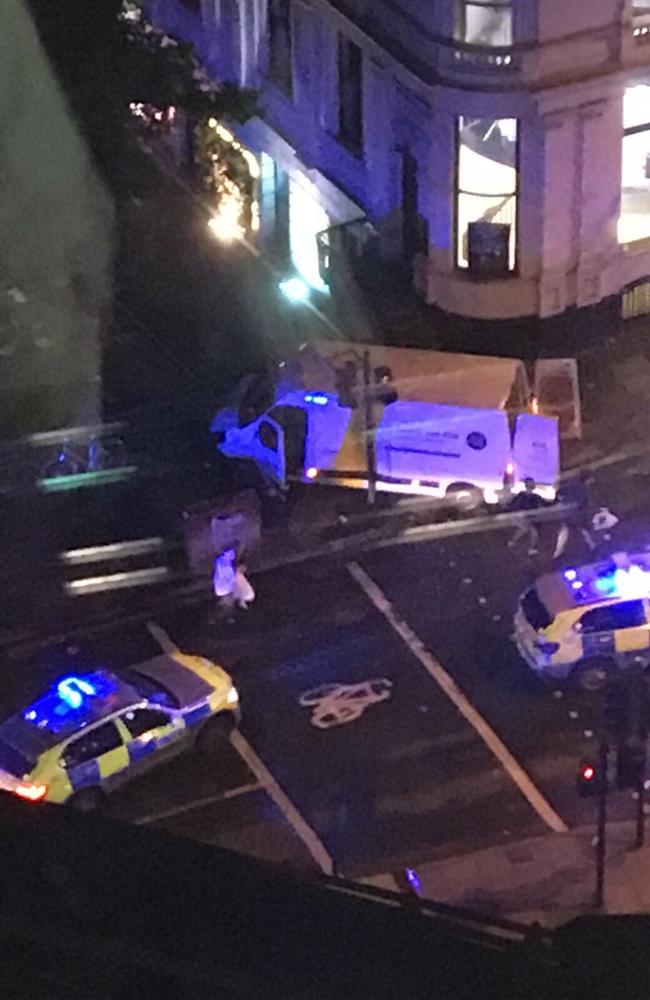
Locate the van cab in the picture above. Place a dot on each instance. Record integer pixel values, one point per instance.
(586, 622)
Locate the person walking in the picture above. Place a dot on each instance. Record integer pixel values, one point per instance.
(242, 592)
(526, 529)
(224, 580)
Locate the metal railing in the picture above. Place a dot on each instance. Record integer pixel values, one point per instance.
(348, 241)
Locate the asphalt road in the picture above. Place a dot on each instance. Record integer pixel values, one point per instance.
(405, 776)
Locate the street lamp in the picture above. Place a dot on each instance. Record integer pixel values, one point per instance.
(294, 289)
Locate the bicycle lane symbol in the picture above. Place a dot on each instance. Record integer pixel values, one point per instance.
(337, 704)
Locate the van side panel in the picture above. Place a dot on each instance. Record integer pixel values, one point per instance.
(443, 444)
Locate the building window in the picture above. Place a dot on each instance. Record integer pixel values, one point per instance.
(484, 22)
(635, 300)
(487, 184)
(307, 218)
(350, 73)
(280, 44)
(634, 220)
(640, 7)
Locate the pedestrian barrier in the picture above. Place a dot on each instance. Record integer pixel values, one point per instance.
(143, 555)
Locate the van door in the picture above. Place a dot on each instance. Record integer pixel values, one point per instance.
(261, 442)
(269, 450)
(536, 449)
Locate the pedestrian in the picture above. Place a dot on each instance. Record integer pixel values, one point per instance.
(574, 492)
(526, 501)
(243, 592)
(224, 579)
(603, 520)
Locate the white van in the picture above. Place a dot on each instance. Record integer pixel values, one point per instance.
(420, 448)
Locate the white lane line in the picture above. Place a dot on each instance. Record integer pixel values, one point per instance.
(230, 793)
(166, 644)
(493, 742)
(308, 836)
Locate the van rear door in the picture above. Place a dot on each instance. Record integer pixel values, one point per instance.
(536, 449)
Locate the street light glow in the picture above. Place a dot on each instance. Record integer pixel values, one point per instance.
(226, 225)
(294, 289)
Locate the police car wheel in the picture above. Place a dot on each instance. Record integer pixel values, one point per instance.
(214, 733)
(87, 800)
(593, 674)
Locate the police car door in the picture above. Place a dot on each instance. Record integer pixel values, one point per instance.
(153, 734)
(611, 629)
(96, 757)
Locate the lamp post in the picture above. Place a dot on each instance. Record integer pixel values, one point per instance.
(369, 429)
(601, 834)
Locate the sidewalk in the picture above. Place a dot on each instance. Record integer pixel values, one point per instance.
(549, 879)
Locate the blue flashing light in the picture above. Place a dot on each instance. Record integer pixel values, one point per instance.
(316, 398)
(577, 584)
(72, 700)
(629, 583)
(570, 574)
(413, 880)
(72, 690)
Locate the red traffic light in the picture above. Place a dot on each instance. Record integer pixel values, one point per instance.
(590, 778)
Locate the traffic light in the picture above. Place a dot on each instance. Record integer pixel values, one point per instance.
(630, 763)
(590, 779)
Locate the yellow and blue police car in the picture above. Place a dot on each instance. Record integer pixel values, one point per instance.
(89, 733)
(587, 622)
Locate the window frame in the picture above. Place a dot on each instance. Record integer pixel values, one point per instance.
(353, 143)
(150, 710)
(279, 33)
(627, 132)
(611, 609)
(87, 734)
(513, 271)
(460, 21)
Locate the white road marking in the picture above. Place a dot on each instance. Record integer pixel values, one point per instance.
(166, 644)
(336, 704)
(308, 836)
(230, 793)
(444, 680)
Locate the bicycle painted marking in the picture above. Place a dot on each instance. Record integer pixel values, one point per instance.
(338, 704)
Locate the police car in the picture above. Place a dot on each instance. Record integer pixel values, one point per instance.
(91, 732)
(587, 622)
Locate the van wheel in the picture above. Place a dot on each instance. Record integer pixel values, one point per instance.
(214, 733)
(87, 800)
(464, 495)
(593, 674)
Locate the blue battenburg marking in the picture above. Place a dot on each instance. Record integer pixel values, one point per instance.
(85, 775)
(197, 714)
(138, 749)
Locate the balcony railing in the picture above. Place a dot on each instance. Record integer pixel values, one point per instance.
(346, 244)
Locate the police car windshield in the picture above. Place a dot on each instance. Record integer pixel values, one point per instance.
(151, 690)
(535, 611)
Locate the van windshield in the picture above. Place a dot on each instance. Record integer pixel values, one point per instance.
(536, 613)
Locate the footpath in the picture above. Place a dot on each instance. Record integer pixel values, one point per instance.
(549, 879)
